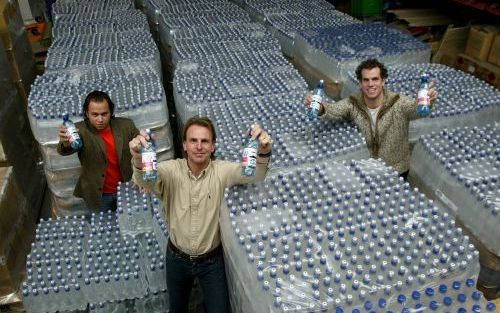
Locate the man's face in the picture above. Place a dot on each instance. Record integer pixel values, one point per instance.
(198, 145)
(99, 114)
(372, 84)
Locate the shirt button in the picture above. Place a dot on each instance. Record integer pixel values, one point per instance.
(102, 175)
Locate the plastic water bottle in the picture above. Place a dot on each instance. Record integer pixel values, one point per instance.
(74, 137)
(249, 156)
(149, 163)
(423, 99)
(317, 98)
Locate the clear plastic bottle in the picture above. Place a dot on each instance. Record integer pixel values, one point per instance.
(423, 99)
(317, 98)
(249, 156)
(149, 163)
(74, 137)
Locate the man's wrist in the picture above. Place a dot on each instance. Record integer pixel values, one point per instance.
(265, 155)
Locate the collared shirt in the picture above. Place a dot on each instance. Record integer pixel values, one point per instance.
(192, 204)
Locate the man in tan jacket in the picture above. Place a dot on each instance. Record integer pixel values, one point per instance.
(382, 116)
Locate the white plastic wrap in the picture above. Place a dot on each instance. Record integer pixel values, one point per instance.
(329, 236)
(460, 168)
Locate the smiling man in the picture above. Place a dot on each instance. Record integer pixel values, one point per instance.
(191, 190)
(382, 116)
(105, 156)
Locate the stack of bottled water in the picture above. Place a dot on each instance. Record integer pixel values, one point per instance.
(131, 37)
(463, 100)
(336, 51)
(73, 263)
(461, 167)
(55, 266)
(86, 23)
(133, 210)
(228, 85)
(223, 32)
(201, 48)
(172, 22)
(286, 18)
(63, 7)
(153, 262)
(331, 237)
(113, 268)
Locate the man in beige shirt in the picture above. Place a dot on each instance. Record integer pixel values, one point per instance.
(192, 189)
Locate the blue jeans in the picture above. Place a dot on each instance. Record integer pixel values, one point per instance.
(212, 277)
(108, 202)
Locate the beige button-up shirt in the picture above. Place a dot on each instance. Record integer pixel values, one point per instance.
(192, 204)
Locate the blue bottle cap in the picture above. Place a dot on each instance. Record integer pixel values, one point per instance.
(447, 301)
(382, 303)
(433, 305)
(429, 292)
(491, 307)
(401, 299)
(470, 282)
(443, 288)
(415, 295)
(456, 285)
(476, 308)
(461, 298)
(476, 295)
(461, 310)
(339, 310)
(356, 311)
(368, 305)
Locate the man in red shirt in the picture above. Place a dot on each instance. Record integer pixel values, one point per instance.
(105, 156)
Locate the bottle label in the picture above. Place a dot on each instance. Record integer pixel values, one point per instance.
(249, 158)
(316, 102)
(149, 163)
(73, 133)
(423, 97)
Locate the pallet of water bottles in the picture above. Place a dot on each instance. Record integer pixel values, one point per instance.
(117, 256)
(65, 7)
(461, 168)
(463, 100)
(345, 237)
(335, 51)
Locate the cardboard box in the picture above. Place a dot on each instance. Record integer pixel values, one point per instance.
(479, 41)
(494, 57)
(481, 69)
(451, 44)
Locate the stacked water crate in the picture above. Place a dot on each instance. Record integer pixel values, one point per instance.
(287, 18)
(97, 46)
(335, 237)
(74, 265)
(335, 51)
(463, 100)
(461, 167)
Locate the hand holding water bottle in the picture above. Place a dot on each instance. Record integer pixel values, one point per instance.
(257, 144)
(69, 134)
(426, 96)
(314, 101)
(141, 143)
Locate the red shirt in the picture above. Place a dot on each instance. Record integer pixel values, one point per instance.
(112, 175)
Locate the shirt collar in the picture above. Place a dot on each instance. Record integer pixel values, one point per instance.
(202, 173)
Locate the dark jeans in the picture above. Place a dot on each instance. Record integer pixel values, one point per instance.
(108, 202)
(212, 277)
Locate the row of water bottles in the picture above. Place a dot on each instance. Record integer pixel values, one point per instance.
(64, 7)
(330, 240)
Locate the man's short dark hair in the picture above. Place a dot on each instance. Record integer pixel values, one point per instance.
(98, 96)
(202, 121)
(370, 64)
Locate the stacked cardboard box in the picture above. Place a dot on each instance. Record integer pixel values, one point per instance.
(20, 57)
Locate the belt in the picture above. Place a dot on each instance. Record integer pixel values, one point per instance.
(195, 258)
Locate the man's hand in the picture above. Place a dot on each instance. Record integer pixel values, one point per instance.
(265, 141)
(308, 102)
(136, 145)
(64, 136)
(432, 93)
